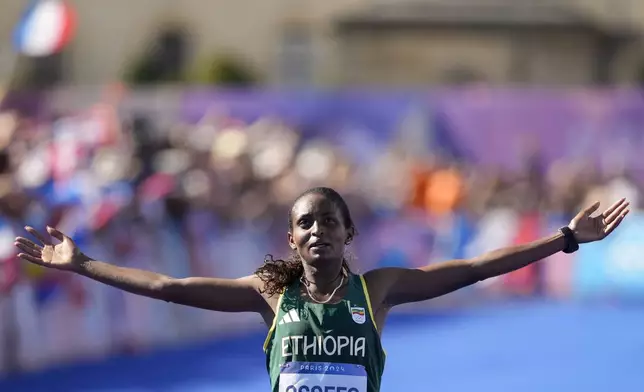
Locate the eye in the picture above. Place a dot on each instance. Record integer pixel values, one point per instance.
(304, 223)
(330, 220)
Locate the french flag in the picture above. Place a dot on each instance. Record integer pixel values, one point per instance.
(45, 29)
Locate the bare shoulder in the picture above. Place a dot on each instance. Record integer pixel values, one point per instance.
(260, 287)
(379, 282)
(271, 300)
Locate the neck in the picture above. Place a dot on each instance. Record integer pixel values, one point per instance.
(323, 280)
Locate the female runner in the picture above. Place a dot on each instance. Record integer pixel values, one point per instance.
(325, 321)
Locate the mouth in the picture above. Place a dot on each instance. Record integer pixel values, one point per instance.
(319, 245)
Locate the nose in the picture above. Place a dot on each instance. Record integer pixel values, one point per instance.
(317, 229)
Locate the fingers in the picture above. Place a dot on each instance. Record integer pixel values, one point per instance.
(589, 211)
(26, 242)
(613, 225)
(31, 259)
(33, 251)
(38, 236)
(55, 233)
(29, 250)
(617, 211)
(614, 207)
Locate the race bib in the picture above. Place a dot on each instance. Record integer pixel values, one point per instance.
(322, 377)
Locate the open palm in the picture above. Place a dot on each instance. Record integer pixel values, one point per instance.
(588, 229)
(61, 256)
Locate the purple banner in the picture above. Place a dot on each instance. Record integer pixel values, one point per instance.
(502, 128)
(499, 128)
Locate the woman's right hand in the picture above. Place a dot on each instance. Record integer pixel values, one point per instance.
(63, 256)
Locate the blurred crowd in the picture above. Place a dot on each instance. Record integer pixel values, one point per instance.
(105, 179)
(212, 197)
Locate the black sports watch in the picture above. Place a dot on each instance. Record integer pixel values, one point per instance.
(571, 242)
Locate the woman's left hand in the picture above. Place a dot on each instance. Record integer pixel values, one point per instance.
(590, 229)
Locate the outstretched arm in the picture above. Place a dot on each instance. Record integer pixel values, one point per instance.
(225, 295)
(394, 286)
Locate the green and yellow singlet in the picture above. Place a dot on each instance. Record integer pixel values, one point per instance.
(314, 347)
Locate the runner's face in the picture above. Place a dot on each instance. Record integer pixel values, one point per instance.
(317, 233)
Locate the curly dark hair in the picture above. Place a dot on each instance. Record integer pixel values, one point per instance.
(277, 274)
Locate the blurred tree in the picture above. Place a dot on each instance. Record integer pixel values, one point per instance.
(33, 73)
(640, 74)
(163, 61)
(224, 70)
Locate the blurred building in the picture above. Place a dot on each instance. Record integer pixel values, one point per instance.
(407, 42)
(495, 41)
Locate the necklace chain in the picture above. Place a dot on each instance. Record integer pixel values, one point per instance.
(330, 296)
